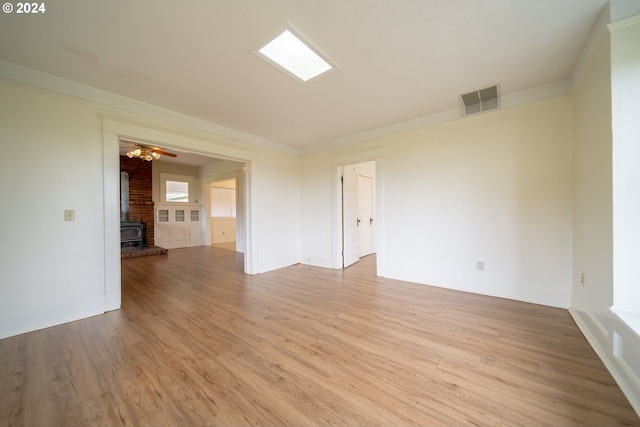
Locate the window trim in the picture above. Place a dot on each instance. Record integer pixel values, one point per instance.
(164, 177)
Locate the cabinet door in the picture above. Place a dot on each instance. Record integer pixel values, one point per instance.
(163, 215)
(195, 233)
(179, 234)
(179, 215)
(162, 235)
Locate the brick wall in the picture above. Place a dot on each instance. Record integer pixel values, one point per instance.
(140, 193)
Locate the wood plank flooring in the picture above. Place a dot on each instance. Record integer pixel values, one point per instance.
(199, 343)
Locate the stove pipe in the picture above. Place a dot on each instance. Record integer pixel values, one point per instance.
(124, 196)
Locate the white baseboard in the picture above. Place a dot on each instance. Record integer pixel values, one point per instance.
(624, 372)
(51, 316)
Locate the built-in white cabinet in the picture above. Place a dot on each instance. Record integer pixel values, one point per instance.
(178, 225)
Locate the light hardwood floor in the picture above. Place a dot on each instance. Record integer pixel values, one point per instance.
(231, 246)
(198, 343)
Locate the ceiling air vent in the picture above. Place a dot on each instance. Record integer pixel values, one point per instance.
(481, 100)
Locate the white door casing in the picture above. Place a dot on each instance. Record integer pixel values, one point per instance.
(375, 155)
(112, 131)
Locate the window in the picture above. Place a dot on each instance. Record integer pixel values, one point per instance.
(174, 188)
(223, 202)
(177, 191)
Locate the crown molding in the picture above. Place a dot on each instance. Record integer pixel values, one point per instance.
(57, 84)
(509, 100)
(536, 94)
(626, 22)
(383, 131)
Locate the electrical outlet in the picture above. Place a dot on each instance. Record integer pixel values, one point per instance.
(69, 215)
(582, 279)
(480, 265)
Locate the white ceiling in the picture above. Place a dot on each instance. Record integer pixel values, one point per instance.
(398, 60)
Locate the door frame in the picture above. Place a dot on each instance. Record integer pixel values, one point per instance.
(208, 183)
(338, 162)
(113, 130)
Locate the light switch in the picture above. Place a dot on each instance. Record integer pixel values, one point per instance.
(69, 215)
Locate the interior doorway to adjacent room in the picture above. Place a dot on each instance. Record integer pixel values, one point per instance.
(223, 212)
(358, 211)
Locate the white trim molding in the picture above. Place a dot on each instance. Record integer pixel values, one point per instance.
(98, 96)
(631, 318)
(616, 351)
(45, 317)
(114, 129)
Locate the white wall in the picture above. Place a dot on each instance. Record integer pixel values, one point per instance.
(223, 230)
(596, 247)
(592, 187)
(279, 210)
(52, 271)
(625, 110)
(316, 224)
(493, 187)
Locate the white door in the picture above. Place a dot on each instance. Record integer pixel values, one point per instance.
(365, 214)
(349, 216)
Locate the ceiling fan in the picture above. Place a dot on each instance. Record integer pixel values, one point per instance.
(148, 152)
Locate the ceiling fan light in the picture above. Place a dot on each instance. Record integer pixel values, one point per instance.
(147, 153)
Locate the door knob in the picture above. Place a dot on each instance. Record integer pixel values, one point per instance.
(358, 222)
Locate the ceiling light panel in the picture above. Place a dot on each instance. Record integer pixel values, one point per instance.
(291, 54)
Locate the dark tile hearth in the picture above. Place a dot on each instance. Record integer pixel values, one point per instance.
(135, 252)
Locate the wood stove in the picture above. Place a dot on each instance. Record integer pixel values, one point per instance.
(132, 232)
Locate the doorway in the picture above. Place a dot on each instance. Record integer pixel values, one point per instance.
(222, 208)
(358, 211)
(112, 132)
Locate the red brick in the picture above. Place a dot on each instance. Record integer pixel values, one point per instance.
(141, 206)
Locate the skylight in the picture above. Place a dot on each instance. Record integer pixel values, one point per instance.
(295, 56)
